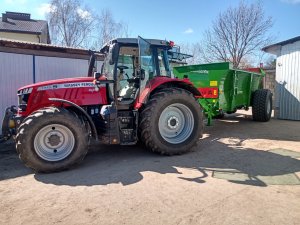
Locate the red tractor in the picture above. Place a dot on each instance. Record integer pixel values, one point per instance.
(133, 98)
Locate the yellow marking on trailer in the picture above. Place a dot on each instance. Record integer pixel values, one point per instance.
(213, 83)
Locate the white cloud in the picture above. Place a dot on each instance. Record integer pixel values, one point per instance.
(44, 8)
(188, 31)
(291, 1)
(84, 14)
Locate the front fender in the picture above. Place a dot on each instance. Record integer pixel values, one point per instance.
(90, 121)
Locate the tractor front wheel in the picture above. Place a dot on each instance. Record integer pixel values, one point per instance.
(171, 122)
(51, 139)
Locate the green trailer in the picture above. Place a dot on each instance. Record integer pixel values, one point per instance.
(224, 89)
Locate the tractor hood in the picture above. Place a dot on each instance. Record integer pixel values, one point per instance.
(80, 90)
(67, 82)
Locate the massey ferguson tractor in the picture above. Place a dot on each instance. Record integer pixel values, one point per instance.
(133, 98)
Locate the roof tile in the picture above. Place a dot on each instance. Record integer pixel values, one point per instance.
(27, 26)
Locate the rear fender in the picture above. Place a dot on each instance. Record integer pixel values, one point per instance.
(159, 83)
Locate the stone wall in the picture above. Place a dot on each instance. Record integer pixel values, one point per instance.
(269, 81)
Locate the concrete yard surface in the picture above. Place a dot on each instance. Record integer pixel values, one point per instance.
(241, 172)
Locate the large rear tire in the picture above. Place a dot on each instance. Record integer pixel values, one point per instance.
(52, 139)
(262, 105)
(171, 122)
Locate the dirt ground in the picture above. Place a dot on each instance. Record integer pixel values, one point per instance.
(241, 172)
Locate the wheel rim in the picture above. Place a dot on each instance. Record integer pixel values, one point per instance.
(176, 123)
(54, 142)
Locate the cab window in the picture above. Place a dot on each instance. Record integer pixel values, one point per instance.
(163, 63)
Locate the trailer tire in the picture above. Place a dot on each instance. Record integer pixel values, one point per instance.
(51, 139)
(262, 105)
(171, 122)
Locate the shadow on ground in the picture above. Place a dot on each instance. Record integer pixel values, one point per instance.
(114, 164)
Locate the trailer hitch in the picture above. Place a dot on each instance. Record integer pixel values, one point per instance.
(8, 123)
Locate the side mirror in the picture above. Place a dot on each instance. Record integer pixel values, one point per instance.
(100, 78)
(142, 75)
(97, 75)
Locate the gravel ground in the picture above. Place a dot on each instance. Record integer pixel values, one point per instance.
(241, 172)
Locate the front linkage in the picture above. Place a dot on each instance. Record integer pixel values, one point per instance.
(8, 123)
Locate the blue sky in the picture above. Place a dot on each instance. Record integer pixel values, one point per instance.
(178, 20)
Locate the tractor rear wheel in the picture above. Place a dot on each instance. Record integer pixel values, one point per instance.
(51, 139)
(262, 105)
(171, 122)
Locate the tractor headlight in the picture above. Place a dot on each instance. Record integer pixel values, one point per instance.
(23, 96)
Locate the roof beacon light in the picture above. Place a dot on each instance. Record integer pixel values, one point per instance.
(171, 43)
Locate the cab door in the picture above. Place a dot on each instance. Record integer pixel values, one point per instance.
(146, 66)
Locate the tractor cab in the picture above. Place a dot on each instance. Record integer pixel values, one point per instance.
(129, 66)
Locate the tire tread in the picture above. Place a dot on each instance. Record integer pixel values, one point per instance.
(148, 114)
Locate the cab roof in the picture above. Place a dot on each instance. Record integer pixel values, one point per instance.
(134, 41)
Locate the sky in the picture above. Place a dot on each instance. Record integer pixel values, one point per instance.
(182, 21)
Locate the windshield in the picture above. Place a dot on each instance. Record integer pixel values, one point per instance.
(127, 61)
(108, 69)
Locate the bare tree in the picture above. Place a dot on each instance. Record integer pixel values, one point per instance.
(70, 23)
(193, 49)
(237, 33)
(108, 28)
(270, 62)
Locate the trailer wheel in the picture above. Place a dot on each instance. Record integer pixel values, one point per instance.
(171, 122)
(51, 139)
(262, 105)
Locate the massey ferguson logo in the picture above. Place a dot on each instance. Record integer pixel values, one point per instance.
(66, 85)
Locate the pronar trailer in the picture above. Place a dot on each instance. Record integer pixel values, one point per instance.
(224, 89)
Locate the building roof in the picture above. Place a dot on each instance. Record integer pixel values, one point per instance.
(25, 47)
(21, 22)
(273, 49)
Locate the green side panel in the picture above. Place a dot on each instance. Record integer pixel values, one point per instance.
(235, 86)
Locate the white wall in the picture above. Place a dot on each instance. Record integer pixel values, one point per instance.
(15, 71)
(287, 102)
(50, 68)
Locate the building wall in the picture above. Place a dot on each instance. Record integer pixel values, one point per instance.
(269, 81)
(20, 36)
(50, 68)
(17, 70)
(44, 37)
(287, 104)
